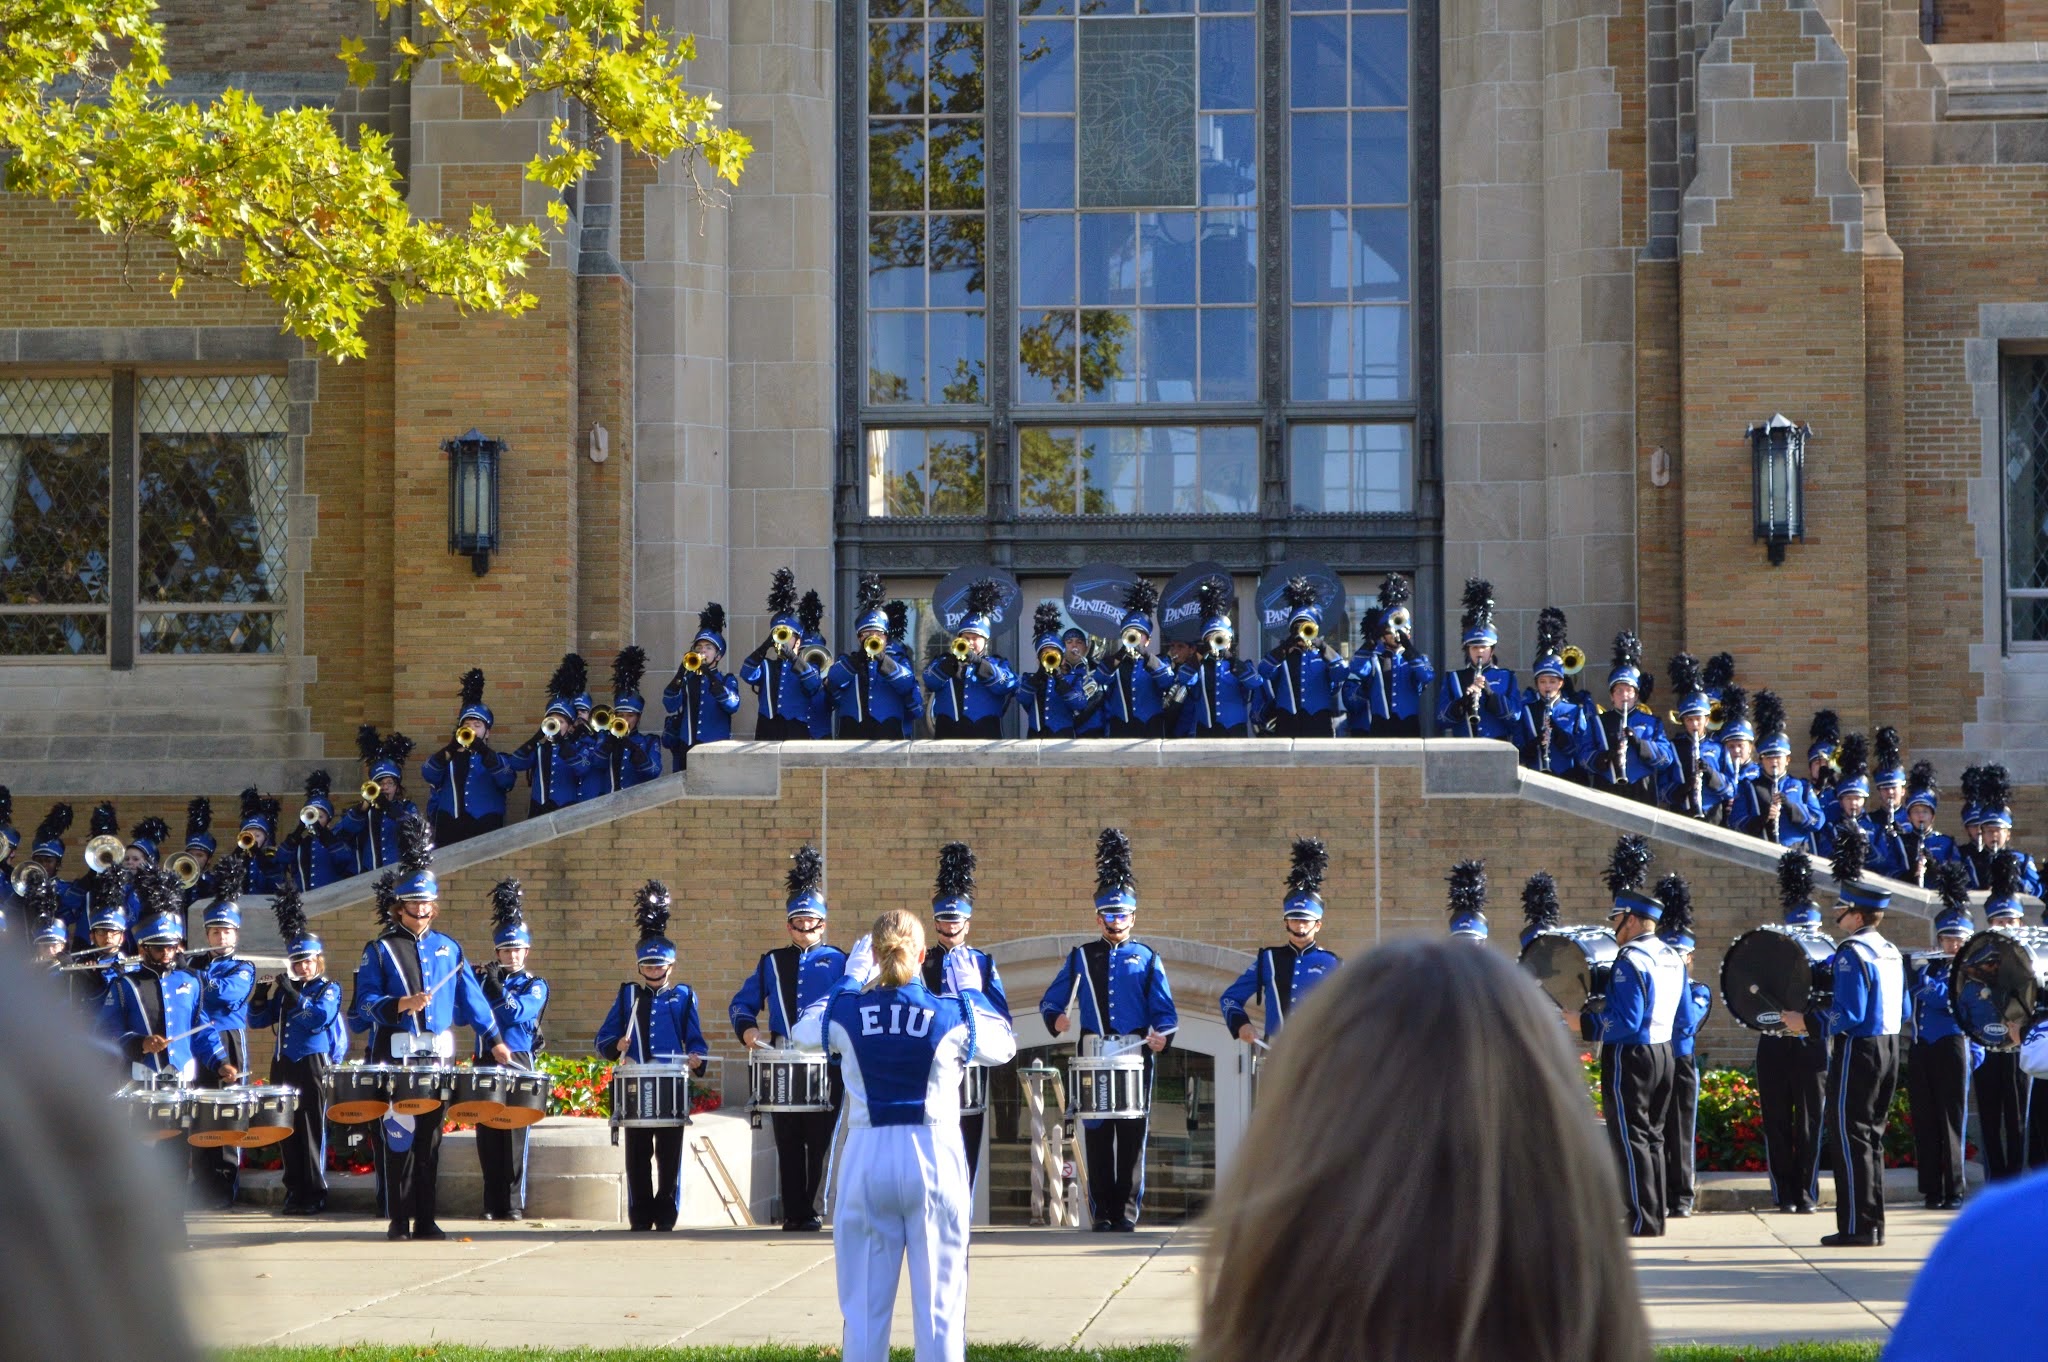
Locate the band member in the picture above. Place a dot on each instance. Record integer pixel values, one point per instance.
(371, 827)
(466, 779)
(701, 699)
(1696, 783)
(1552, 726)
(1923, 848)
(1625, 750)
(785, 982)
(226, 983)
(948, 976)
(621, 756)
(1864, 1018)
(1282, 976)
(1304, 674)
(1939, 1063)
(875, 694)
(969, 685)
(145, 846)
(1849, 795)
(101, 884)
(1791, 1070)
(2002, 1089)
(303, 1006)
(95, 973)
(162, 1026)
(1479, 699)
(1634, 1027)
(653, 1021)
(557, 758)
(412, 988)
(311, 854)
(1823, 765)
(1467, 904)
(256, 840)
(1893, 849)
(200, 846)
(906, 1191)
(1541, 911)
(1223, 696)
(50, 938)
(1390, 676)
(1120, 988)
(1092, 719)
(785, 686)
(1737, 736)
(817, 651)
(1994, 829)
(517, 1000)
(1772, 805)
(1695, 1004)
(1052, 697)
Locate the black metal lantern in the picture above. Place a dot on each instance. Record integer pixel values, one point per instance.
(473, 497)
(1777, 453)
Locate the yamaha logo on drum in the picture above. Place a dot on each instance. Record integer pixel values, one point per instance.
(1769, 1018)
(1993, 1030)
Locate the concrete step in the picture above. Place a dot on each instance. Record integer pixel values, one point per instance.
(1752, 1191)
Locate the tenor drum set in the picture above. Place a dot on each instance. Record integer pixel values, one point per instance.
(489, 1095)
(244, 1117)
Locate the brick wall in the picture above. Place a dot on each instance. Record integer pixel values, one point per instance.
(259, 35)
(604, 395)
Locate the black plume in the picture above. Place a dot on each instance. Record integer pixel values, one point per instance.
(899, 620)
(6, 806)
(1311, 863)
(1478, 603)
(508, 905)
(1952, 883)
(1853, 757)
(1795, 880)
(387, 900)
(1396, 592)
(368, 740)
(1215, 597)
(1301, 591)
(1046, 619)
(627, 669)
(1734, 705)
(650, 909)
(1113, 862)
(1920, 780)
(1885, 749)
(1550, 631)
(1720, 670)
(1676, 896)
(806, 872)
(1628, 863)
(252, 802)
(956, 871)
(397, 747)
(711, 619)
(868, 595)
(270, 807)
(159, 893)
(290, 912)
(2005, 874)
(415, 844)
(782, 593)
(810, 612)
(1770, 714)
(1468, 887)
(1852, 852)
(105, 821)
(1141, 596)
(1972, 785)
(571, 678)
(198, 816)
(151, 830)
(1540, 909)
(1826, 727)
(472, 687)
(230, 876)
(318, 783)
(1994, 787)
(1685, 675)
(1628, 651)
(54, 822)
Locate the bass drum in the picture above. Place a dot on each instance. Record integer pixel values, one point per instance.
(1998, 982)
(1571, 963)
(1771, 971)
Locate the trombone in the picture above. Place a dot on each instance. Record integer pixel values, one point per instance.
(186, 867)
(103, 853)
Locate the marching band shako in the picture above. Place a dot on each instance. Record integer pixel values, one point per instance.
(789, 1080)
(1573, 964)
(1774, 970)
(1109, 1086)
(1998, 983)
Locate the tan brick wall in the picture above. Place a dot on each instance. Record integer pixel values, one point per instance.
(2026, 21)
(259, 35)
(1970, 21)
(636, 175)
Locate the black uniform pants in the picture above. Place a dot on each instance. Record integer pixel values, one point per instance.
(305, 1150)
(1393, 726)
(448, 829)
(654, 1176)
(1635, 1085)
(217, 1173)
(779, 729)
(411, 1175)
(1116, 1168)
(1287, 725)
(988, 726)
(2002, 1114)
(2037, 1124)
(803, 1140)
(1791, 1087)
(501, 1155)
(1937, 1077)
(970, 1135)
(1681, 1126)
(1863, 1072)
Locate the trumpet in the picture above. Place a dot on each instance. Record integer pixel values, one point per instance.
(782, 635)
(370, 790)
(1574, 659)
(1717, 714)
(816, 658)
(1217, 641)
(873, 644)
(1050, 659)
(29, 879)
(1133, 639)
(465, 737)
(103, 853)
(311, 818)
(962, 649)
(186, 867)
(601, 718)
(619, 728)
(693, 661)
(1307, 631)
(552, 727)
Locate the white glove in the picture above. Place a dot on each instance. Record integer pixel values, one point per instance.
(963, 972)
(861, 963)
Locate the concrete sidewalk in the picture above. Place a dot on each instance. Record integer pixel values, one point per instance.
(1736, 1278)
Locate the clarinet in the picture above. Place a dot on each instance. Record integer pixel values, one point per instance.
(1477, 675)
(1777, 800)
(1916, 855)
(1544, 764)
(1618, 756)
(1698, 776)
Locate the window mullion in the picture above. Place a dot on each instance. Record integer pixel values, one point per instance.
(122, 552)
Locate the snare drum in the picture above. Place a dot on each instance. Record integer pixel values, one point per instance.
(974, 1090)
(220, 1117)
(789, 1080)
(358, 1093)
(271, 1113)
(157, 1113)
(478, 1093)
(523, 1102)
(1109, 1087)
(417, 1089)
(653, 1094)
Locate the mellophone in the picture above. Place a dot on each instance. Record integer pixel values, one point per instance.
(489, 1095)
(246, 1117)
(1106, 1079)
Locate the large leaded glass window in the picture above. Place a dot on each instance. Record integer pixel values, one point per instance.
(56, 438)
(2024, 393)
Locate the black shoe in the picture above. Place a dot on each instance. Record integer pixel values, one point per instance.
(1126, 1227)
(810, 1225)
(399, 1230)
(300, 1208)
(1786, 1208)
(1933, 1203)
(1804, 1208)
(1954, 1203)
(428, 1230)
(515, 1214)
(1867, 1239)
(664, 1229)
(492, 1215)
(1103, 1227)
(1646, 1234)
(639, 1229)
(1682, 1211)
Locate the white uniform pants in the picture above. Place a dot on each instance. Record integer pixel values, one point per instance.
(903, 1190)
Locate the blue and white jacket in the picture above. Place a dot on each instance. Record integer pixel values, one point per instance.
(168, 1005)
(1223, 693)
(468, 784)
(516, 1006)
(1280, 978)
(1643, 995)
(903, 1050)
(1122, 990)
(959, 692)
(1870, 988)
(396, 965)
(662, 1026)
(784, 982)
(860, 690)
(308, 1020)
(700, 707)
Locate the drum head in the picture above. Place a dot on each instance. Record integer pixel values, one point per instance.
(1767, 974)
(260, 1137)
(1563, 964)
(358, 1112)
(416, 1106)
(513, 1118)
(475, 1111)
(1995, 985)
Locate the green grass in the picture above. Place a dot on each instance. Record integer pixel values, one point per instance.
(982, 1352)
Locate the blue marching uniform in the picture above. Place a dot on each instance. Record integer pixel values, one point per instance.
(310, 1040)
(555, 771)
(1938, 1068)
(986, 979)
(904, 1188)
(1307, 689)
(1393, 689)
(2029, 872)
(1224, 697)
(312, 859)
(1136, 687)
(1500, 708)
(871, 703)
(517, 1004)
(227, 983)
(372, 829)
(786, 690)
(1636, 1066)
(1280, 977)
(1677, 782)
(1052, 703)
(466, 791)
(646, 1026)
(621, 763)
(1824, 840)
(1567, 733)
(785, 982)
(700, 706)
(167, 1003)
(1681, 1128)
(1799, 813)
(1122, 992)
(964, 703)
(1865, 1018)
(1618, 763)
